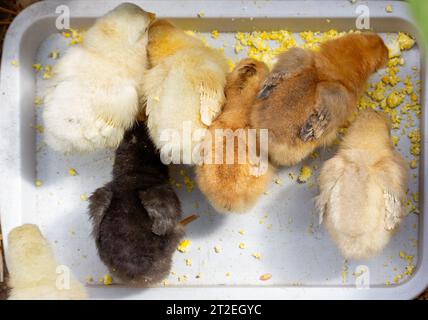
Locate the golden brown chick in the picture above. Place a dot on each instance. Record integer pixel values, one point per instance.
(363, 188)
(309, 94)
(235, 186)
(184, 88)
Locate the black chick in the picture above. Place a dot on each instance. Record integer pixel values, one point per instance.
(136, 216)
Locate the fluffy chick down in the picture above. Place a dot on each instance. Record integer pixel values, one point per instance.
(310, 94)
(136, 216)
(95, 92)
(185, 85)
(33, 269)
(235, 187)
(363, 188)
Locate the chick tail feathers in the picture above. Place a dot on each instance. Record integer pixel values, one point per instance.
(393, 210)
(212, 100)
(330, 112)
(393, 176)
(209, 81)
(69, 135)
(104, 134)
(331, 172)
(34, 272)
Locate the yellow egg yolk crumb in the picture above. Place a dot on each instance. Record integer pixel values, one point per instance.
(184, 245)
(305, 174)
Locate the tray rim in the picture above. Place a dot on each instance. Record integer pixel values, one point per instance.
(11, 162)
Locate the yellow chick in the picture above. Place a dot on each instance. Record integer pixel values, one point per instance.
(94, 92)
(33, 271)
(363, 188)
(185, 87)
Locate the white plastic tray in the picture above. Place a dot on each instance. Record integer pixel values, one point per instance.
(283, 226)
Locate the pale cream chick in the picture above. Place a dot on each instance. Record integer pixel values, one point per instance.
(96, 90)
(33, 269)
(363, 188)
(185, 86)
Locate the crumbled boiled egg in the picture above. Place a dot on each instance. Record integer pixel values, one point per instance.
(107, 280)
(305, 174)
(405, 42)
(231, 64)
(40, 129)
(38, 101)
(37, 67)
(415, 142)
(379, 93)
(165, 283)
(411, 208)
(265, 277)
(54, 54)
(74, 35)
(47, 74)
(413, 164)
(257, 255)
(394, 49)
(218, 249)
(278, 181)
(394, 99)
(215, 34)
(182, 278)
(395, 140)
(190, 185)
(409, 268)
(184, 245)
(264, 46)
